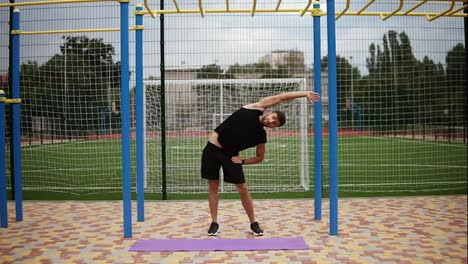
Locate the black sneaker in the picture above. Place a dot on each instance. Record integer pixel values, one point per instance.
(256, 230)
(213, 231)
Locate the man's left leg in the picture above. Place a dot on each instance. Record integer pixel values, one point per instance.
(246, 200)
(247, 203)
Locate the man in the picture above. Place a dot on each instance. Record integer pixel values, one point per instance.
(242, 130)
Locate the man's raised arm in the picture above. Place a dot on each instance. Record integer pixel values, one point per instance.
(273, 100)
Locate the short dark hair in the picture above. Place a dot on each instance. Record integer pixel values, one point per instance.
(281, 117)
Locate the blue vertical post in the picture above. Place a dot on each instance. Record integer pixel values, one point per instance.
(318, 118)
(162, 67)
(333, 120)
(3, 187)
(15, 109)
(125, 116)
(140, 143)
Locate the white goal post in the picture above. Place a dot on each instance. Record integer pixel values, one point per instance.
(195, 107)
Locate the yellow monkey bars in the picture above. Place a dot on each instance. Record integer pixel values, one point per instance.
(55, 2)
(451, 11)
(72, 31)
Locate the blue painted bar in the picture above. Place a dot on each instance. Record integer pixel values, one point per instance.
(318, 119)
(16, 123)
(333, 121)
(3, 181)
(140, 143)
(125, 116)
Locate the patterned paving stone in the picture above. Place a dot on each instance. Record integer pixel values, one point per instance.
(371, 230)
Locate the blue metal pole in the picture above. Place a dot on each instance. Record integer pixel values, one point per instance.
(162, 67)
(125, 116)
(3, 184)
(333, 120)
(318, 118)
(15, 109)
(140, 143)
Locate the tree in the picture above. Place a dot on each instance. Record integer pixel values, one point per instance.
(456, 94)
(398, 84)
(72, 87)
(213, 71)
(347, 78)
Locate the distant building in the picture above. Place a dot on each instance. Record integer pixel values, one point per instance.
(292, 58)
(182, 73)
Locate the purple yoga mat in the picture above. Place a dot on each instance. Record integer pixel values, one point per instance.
(219, 244)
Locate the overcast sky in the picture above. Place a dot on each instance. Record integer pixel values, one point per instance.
(225, 39)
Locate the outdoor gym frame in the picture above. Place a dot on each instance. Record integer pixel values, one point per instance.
(311, 7)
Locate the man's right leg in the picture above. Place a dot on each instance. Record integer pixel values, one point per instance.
(247, 203)
(210, 171)
(213, 200)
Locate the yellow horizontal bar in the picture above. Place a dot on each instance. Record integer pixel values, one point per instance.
(53, 2)
(72, 31)
(10, 101)
(403, 14)
(197, 11)
(448, 0)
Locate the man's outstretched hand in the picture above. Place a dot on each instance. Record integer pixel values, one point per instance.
(313, 97)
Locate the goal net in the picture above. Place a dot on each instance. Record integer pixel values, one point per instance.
(193, 108)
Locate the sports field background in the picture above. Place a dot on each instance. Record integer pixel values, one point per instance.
(401, 94)
(368, 166)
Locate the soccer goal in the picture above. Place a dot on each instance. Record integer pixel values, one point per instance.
(195, 107)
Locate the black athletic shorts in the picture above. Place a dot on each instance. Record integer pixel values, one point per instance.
(213, 159)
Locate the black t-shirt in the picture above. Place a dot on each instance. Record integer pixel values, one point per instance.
(241, 130)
